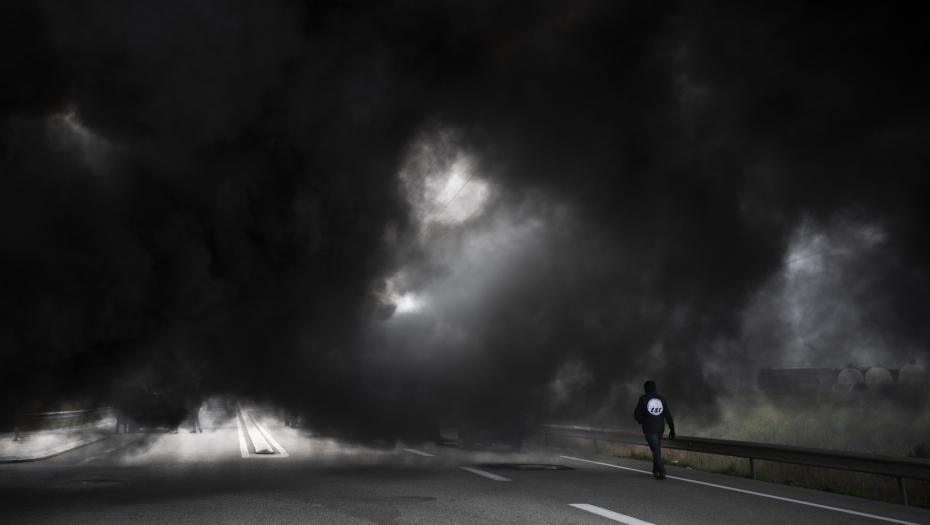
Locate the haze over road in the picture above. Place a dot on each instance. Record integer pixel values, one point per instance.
(180, 478)
(385, 216)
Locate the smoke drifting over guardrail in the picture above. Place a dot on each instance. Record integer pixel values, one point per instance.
(229, 197)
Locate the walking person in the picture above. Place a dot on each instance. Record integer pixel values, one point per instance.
(652, 412)
(121, 421)
(195, 418)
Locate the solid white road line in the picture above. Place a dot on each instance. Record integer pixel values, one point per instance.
(754, 493)
(495, 477)
(279, 448)
(243, 447)
(609, 514)
(261, 433)
(258, 440)
(418, 452)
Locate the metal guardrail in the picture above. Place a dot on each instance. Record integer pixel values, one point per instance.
(897, 467)
(61, 415)
(18, 418)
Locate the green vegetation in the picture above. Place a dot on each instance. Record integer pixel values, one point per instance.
(893, 425)
(636, 455)
(855, 422)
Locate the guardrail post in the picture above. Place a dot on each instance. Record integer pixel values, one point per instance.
(903, 491)
(15, 418)
(752, 467)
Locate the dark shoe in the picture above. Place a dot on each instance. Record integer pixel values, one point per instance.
(655, 475)
(201, 431)
(193, 431)
(661, 476)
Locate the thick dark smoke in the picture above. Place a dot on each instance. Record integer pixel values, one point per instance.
(252, 198)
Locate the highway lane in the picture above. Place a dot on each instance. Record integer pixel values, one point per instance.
(156, 478)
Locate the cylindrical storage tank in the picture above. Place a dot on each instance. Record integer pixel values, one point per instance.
(848, 379)
(913, 377)
(878, 378)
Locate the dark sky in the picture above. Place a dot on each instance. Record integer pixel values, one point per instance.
(360, 205)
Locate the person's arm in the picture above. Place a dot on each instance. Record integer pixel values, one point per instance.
(669, 420)
(638, 412)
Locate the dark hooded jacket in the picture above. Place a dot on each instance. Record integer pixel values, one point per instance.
(652, 411)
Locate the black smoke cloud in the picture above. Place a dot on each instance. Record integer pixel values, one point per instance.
(235, 234)
(207, 195)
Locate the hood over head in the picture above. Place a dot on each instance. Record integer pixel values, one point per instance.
(650, 386)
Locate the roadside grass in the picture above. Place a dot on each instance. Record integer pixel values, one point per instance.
(892, 425)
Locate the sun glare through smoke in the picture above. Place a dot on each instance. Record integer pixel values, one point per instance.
(444, 186)
(407, 303)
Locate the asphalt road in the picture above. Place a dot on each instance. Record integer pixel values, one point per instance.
(211, 477)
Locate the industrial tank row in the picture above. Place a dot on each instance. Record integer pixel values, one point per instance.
(911, 377)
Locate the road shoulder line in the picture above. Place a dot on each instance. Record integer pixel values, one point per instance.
(837, 509)
(243, 448)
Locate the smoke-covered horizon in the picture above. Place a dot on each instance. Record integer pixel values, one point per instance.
(361, 206)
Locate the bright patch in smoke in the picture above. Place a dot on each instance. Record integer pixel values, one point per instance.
(408, 303)
(451, 196)
(444, 185)
(67, 128)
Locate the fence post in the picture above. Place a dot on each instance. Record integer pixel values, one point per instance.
(903, 491)
(596, 451)
(15, 419)
(752, 467)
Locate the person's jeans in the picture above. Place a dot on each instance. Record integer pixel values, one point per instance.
(655, 444)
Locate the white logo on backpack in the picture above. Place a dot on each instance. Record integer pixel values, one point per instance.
(654, 407)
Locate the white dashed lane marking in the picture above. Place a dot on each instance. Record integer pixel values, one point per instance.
(754, 493)
(418, 452)
(88, 459)
(609, 514)
(495, 477)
